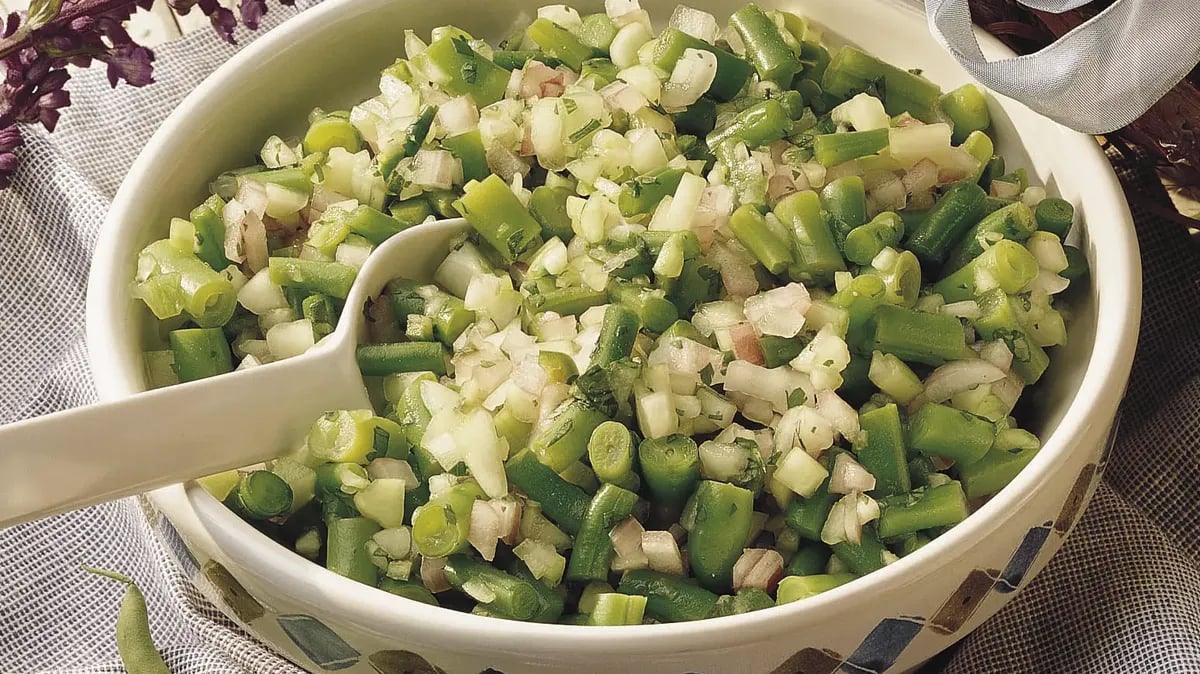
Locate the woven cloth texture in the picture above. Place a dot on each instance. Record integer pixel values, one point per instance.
(1122, 595)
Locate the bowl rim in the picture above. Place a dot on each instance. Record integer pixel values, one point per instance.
(1099, 392)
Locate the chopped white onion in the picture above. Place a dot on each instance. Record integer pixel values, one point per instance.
(694, 22)
(863, 112)
(259, 295)
(434, 169)
(290, 339)
(921, 177)
(626, 540)
(759, 568)
(779, 311)
(458, 115)
(683, 355)
(997, 353)
(841, 416)
(384, 467)
(661, 550)
(746, 347)
(433, 574)
(849, 476)
(690, 79)
(958, 376)
(484, 531)
(968, 309)
(562, 15)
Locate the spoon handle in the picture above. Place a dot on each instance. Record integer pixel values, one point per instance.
(102, 452)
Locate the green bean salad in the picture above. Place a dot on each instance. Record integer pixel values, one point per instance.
(740, 317)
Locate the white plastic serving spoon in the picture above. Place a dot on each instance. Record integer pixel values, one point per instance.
(106, 451)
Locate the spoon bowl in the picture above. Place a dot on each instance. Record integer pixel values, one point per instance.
(109, 450)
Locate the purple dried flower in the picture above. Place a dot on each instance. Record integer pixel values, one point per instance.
(252, 12)
(132, 63)
(36, 48)
(10, 140)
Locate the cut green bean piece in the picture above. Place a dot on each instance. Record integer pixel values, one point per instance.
(561, 501)
(933, 339)
(807, 515)
(864, 557)
(548, 206)
(410, 211)
(260, 495)
(495, 212)
(596, 31)
(180, 281)
(846, 201)
(440, 527)
(765, 47)
(883, 453)
(330, 278)
(810, 560)
(200, 353)
(862, 298)
(1077, 264)
(564, 438)
(1006, 264)
(669, 598)
(319, 310)
(967, 107)
(779, 351)
(614, 608)
(1001, 320)
(600, 70)
(941, 506)
(570, 301)
(866, 241)
(670, 466)
(835, 148)
(852, 70)
(732, 72)
(698, 119)
(1013, 221)
(332, 131)
(994, 471)
(611, 452)
(817, 257)
(651, 307)
(1055, 215)
(746, 600)
(941, 430)
(377, 360)
(593, 550)
(560, 43)
(949, 219)
(346, 548)
(642, 194)
(467, 147)
(210, 232)
(617, 334)
(795, 588)
(516, 59)
(409, 590)
(760, 125)
(462, 71)
(501, 593)
(723, 519)
(750, 227)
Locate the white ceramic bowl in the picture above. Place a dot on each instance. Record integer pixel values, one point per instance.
(893, 619)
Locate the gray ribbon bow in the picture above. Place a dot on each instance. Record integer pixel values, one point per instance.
(1097, 78)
